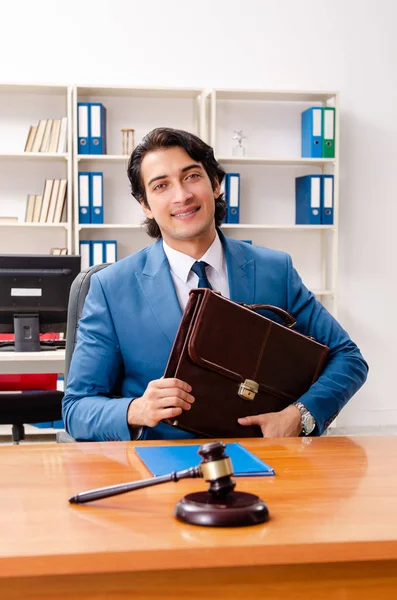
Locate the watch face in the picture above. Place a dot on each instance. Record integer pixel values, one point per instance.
(308, 423)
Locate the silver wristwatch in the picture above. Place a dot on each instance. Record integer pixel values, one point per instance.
(307, 420)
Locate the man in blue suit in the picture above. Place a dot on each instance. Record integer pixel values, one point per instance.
(134, 307)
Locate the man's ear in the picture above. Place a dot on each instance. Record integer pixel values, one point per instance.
(146, 210)
(217, 189)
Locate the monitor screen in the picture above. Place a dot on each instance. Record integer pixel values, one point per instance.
(36, 286)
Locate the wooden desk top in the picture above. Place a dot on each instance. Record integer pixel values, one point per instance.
(332, 499)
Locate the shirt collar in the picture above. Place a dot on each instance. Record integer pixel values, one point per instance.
(180, 264)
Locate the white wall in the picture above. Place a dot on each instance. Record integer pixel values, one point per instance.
(344, 45)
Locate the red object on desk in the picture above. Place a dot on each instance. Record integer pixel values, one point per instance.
(23, 382)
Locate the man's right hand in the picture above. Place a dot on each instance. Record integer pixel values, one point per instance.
(163, 399)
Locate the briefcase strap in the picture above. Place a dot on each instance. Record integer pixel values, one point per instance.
(288, 319)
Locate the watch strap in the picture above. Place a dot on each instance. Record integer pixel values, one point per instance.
(305, 413)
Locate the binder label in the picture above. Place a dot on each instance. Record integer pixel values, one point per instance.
(97, 190)
(84, 198)
(83, 121)
(95, 121)
(328, 124)
(233, 189)
(110, 252)
(317, 113)
(328, 192)
(315, 196)
(85, 254)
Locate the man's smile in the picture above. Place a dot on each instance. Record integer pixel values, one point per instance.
(186, 214)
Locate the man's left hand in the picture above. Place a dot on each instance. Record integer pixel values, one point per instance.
(286, 423)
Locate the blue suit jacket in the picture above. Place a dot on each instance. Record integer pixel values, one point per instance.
(130, 319)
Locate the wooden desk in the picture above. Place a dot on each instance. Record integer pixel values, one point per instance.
(333, 532)
(52, 361)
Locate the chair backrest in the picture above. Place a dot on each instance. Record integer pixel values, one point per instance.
(78, 292)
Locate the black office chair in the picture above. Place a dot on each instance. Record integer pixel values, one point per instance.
(78, 293)
(30, 407)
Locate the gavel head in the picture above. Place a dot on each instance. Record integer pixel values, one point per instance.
(216, 467)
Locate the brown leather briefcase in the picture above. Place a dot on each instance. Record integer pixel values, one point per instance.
(238, 363)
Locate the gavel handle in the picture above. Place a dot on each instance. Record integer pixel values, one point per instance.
(122, 488)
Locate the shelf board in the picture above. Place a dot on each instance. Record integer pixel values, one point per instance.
(111, 226)
(44, 89)
(224, 226)
(34, 155)
(278, 227)
(139, 92)
(275, 96)
(45, 225)
(104, 157)
(258, 160)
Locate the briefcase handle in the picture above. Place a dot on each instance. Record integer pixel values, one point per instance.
(288, 319)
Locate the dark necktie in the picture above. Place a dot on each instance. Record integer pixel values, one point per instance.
(199, 269)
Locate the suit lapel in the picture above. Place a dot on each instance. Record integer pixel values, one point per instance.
(241, 271)
(159, 290)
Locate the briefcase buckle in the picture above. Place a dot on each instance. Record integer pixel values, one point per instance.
(248, 389)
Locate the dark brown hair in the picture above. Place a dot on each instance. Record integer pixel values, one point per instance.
(199, 151)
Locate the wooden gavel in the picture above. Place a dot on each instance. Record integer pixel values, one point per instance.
(220, 506)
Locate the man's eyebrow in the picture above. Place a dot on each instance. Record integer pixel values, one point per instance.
(156, 178)
(192, 166)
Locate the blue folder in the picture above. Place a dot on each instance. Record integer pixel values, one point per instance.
(83, 127)
(161, 460)
(97, 128)
(327, 200)
(84, 186)
(232, 193)
(308, 200)
(96, 198)
(312, 132)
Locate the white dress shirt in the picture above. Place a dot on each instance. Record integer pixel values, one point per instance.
(184, 279)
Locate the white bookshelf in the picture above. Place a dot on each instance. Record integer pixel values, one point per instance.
(23, 173)
(142, 109)
(271, 120)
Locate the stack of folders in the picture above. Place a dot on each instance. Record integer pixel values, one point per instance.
(318, 132)
(314, 200)
(231, 190)
(90, 198)
(50, 207)
(91, 128)
(49, 135)
(97, 252)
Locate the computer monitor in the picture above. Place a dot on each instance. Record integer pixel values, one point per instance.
(34, 296)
